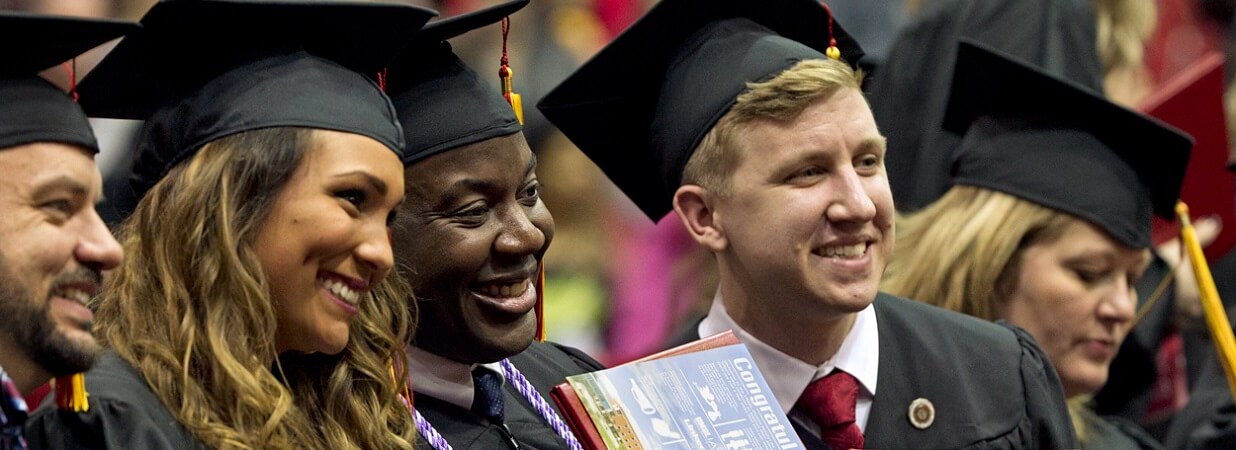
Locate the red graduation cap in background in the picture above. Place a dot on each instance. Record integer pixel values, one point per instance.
(1193, 102)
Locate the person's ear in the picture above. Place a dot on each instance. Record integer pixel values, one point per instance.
(697, 208)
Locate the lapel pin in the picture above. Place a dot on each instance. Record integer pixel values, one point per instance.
(922, 413)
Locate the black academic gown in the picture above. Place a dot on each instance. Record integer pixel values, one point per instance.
(990, 385)
(1209, 420)
(124, 414)
(1115, 433)
(910, 91)
(544, 365)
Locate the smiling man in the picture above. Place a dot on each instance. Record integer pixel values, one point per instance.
(729, 113)
(470, 238)
(53, 245)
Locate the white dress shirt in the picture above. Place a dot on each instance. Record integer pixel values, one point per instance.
(444, 379)
(788, 377)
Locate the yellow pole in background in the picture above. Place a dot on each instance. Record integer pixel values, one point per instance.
(1216, 316)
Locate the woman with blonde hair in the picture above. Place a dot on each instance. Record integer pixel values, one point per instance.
(255, 311)
(1047, 225)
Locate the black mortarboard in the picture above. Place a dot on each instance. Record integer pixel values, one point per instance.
(442, 103)
(204, 69)
(641, 106)
(31, 109)
(1060, 145)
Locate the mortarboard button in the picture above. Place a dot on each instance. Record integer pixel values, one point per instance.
(922, 413)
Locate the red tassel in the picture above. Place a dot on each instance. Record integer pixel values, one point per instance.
(71, 68)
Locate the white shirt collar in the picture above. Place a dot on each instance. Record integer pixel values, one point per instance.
(787, 376)
(443, 378)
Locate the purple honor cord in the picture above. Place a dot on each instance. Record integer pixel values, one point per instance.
(525, 389)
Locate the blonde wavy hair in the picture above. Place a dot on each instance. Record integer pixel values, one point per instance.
(961, 252)
(781, 98)
(190, 309)
(1123, 27)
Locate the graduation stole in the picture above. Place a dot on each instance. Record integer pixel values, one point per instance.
(528, 392)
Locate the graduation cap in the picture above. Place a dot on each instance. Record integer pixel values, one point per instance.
(204, 69)
(442, 103)
(640, 107)
(31, 109)
(1063, 146)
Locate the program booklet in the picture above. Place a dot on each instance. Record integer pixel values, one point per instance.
(708, 399)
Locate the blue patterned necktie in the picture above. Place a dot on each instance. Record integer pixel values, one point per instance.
(12, 414)
(488, 398)
(487, 401)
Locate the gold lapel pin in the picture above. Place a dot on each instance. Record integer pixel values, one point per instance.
(922, 413)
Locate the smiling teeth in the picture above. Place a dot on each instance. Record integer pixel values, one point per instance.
(76, 295)
(504, 290)
(340, 290)
(846, 251)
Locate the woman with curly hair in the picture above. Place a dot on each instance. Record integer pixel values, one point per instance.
(255, 311)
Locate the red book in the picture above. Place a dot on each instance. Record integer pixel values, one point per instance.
(1193, 102)
(577, 417)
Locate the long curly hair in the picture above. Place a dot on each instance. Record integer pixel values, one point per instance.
(190, 308)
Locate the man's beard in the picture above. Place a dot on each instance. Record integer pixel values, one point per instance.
(30, 324)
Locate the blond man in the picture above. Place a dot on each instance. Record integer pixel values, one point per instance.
(767, 152)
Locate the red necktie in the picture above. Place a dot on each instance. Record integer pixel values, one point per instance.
(830, 401)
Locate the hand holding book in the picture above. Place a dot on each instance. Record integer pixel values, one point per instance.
(707, 394)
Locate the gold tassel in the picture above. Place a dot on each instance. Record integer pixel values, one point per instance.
(406, 392)
(517, 103)
(1216, 317)
(71, 393)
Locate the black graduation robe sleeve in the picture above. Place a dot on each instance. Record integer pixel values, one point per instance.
(1115, 433)
(1046, 409)
(124, 414)
(1209, 420)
